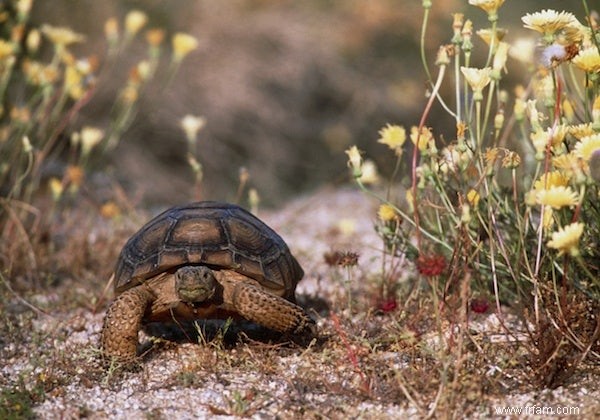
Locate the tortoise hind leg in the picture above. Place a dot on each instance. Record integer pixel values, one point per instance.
(122, 323)
(271, 311)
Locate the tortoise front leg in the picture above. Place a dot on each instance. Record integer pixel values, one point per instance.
(271, 311)
(122, 323)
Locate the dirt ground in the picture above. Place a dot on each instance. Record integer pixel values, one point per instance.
(368, 362)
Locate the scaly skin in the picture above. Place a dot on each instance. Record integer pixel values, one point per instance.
(122, 323)
(274, 312)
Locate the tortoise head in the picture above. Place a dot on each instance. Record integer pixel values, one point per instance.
(195, 284)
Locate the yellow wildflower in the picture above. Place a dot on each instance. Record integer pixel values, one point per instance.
(557, 197)
(551, 179)
(523, 50)
(355, 161)
(540, 139)
(489, 6)
(549, 22)
(183, 44)
(56, 188)
(369, 173)
(392, 136)
(386, 213)
(73, 79)
(191, 125)
(24, 7)
(581, 130)
(473, 197)
(486, 35)
(586, 146)
(588, 60)
(134, 21)
(566, 240)
(424, 138)
(33, 40)
(511, 160)
(90, 137)
(449, 159)
(491, 155)
(61, 36)
(477, 79)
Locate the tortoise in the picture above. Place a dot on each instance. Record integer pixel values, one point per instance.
(203, 260)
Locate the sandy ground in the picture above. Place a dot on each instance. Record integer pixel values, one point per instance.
(59, 357)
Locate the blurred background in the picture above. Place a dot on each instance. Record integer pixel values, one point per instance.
(285, 87)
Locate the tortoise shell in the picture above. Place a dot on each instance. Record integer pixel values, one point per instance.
(209, 233)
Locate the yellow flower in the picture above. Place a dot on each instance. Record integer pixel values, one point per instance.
(33, 40)
(24, 7)
(586, 146)
(191, 125)
(477, 79)
(355, 161)
(511, 160)
(369, 173)
(557, 197)
(491, 155)
(540, 139)
(183, 44)
(549, 21)
(392, 136)
(386, 213)
(73, 79)
(56, 188)
(581, 130)
(551, 179)
(134, 21)
(90, 137)
(566, 240)
(473, 197)
(588, 60)
(424, 138)
(571, 165)
(61, 36)
(486, 35)
(450, 157)
(523, 50)
(489, 6)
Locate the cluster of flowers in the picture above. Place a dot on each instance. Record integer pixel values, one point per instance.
(56, 89)
(552, 140)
